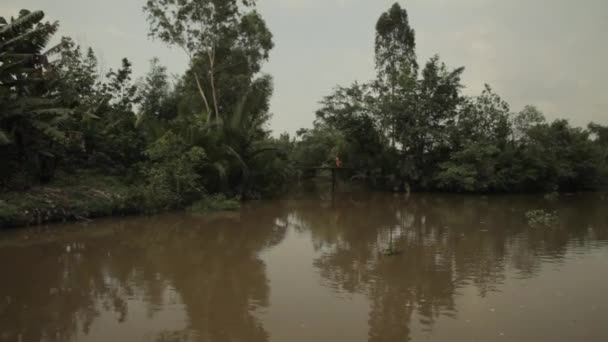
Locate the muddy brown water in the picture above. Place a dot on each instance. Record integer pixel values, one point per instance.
(463, 268)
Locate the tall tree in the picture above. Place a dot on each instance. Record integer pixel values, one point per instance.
(78, 74)
(226, 41)
(219, 37)
(397, 67)
(425, 135)
(525, 120)
(155, 91)
(349, 110)
(395, 45)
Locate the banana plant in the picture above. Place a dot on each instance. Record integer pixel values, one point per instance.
(30, 114)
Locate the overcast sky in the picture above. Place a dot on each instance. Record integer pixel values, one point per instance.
(549, 53)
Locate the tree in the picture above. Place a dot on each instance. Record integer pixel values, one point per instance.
(156, 94)
(484, 118)
(395, 45)
(397, 68)
(478, 146)
(318, 146)
(348, 110)
(172, 175)
(30, 113)
(209, 31)
(600, 135)
(77, 74)
(561, 157)
(424, 136)
(525, 120)
(115, 143)
(226, 42)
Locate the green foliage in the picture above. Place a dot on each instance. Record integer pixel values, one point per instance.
(415, 127)
(31, 117)
(158, 102)
(472, 169)
(223, 100)
(205, 134)
(69, 197)
(395, 44)
(172, 177)
(77, 74)
(318, 146)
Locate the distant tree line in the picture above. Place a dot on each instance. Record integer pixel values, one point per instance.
(205, 132)
(412, 125)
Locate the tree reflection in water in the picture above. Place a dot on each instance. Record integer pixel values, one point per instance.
(77, 277)
(445, 243)
(186, 278)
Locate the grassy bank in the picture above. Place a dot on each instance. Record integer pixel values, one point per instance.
(83, 197)
(72, 198)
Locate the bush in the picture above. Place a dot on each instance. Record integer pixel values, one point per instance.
(172, 178)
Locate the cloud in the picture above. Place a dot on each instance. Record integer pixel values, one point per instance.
(550, 53)
(118, 33)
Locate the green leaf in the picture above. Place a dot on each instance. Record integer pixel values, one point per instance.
(23, 22)
(39, 36)
(4, 138)
(239, 159)
(221, 171)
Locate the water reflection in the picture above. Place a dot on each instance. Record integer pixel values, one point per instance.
(188, 278)
(81, 276)
(443, 243)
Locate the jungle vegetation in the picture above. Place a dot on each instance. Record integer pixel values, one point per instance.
(173, 142)
(412, 126)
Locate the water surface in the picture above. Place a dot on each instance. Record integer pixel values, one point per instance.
(463, 268)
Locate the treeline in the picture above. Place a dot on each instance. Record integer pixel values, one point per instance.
(171, 141)
(175, 141)
(412, 125)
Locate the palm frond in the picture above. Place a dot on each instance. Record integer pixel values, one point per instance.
(222, 173)
(23, 22)
(50, 132)
(55, 49)
(4, 138)
(16, 55)
(239, 159)
(6, 68)
(44, 112)
(28, 103)
(52, 111)
(261, 151)
(38, 37)
(88, 115)
(237, 116)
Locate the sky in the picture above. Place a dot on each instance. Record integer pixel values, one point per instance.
(547, 53)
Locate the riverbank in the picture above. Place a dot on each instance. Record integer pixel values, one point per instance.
(84, 197)
(79, 198)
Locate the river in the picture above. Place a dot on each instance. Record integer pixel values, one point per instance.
(355, 267)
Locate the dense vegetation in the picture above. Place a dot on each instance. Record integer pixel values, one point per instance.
(413, 126)
(173, 143)
(170, 143)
